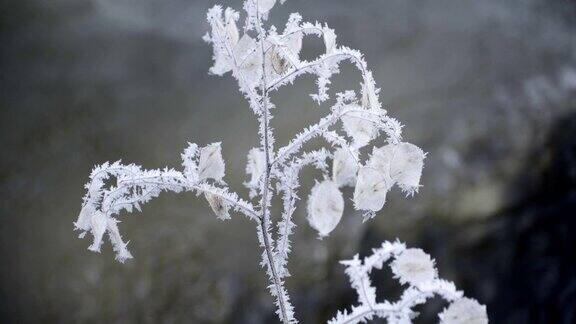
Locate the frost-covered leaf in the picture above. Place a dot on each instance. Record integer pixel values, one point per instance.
(224, 35)
(255, 167)
(419, 278)
(293, 38)
(329, 40)
(277, 62)
(266, 5)
(369, 96)
(222, 63)
(359, 128)
(411, 158)
(325, 207)
(189, 162)
(256, 12)
(250, 60)
(98, 223)
(371, 189)
(231, 29)
(83, 222)
(414, 266)
(220, 207)
(464, 311)
(211, 164)
(401, 162)
(344, 168)
(119, 246)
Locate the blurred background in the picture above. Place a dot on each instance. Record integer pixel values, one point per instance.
(487, 88)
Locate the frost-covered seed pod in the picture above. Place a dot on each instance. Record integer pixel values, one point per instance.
(410, 161)
(414, 266)
(344, 168)
(278, 63)
(250, 61)
(218, 205)
(402, 162)
(325, 207)
(265, 5)
(360, 129)
(464, 311)
(371, 189)
(211, 164)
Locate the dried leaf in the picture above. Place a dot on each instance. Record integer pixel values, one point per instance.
(219, 206)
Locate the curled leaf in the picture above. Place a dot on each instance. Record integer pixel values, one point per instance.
(325, 207)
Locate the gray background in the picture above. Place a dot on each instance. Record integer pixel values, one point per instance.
(477, 84)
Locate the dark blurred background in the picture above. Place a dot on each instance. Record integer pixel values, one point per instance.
(487, 88)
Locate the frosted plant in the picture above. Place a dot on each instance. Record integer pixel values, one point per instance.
(414, 269)
(262, 61)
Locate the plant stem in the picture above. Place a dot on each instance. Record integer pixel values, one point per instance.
(265, 192)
